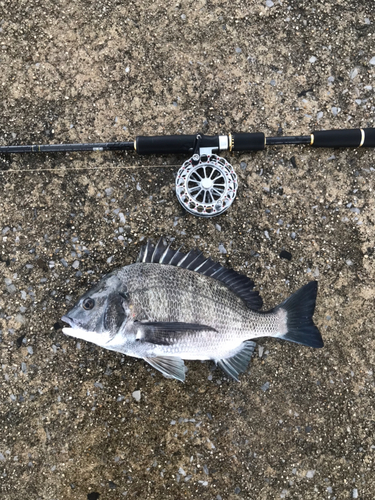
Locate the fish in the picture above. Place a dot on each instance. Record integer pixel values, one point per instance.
(170, 306)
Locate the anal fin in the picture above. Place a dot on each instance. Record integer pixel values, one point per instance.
(237, 364)
(169, 366)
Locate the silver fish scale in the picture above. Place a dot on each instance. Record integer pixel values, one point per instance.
(163, 293)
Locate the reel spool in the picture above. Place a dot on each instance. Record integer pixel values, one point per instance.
(206, 185)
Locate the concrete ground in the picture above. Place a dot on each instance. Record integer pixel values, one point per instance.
(300, 424)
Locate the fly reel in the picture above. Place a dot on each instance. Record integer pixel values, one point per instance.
(206, 185)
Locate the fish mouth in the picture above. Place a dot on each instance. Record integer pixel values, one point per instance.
(68, 320)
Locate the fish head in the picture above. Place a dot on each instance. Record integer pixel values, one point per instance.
(99, 313)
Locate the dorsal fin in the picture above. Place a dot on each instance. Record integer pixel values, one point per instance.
(239, 284)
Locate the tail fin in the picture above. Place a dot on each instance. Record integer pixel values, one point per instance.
(300, 309)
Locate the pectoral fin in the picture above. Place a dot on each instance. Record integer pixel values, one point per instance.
(169, 366)
(237, 364)
(164, 333)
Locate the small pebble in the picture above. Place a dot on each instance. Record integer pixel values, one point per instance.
(137, 396)
(310, 474)
(20, 319)
(285, 255)
(265, 387)
(312, 59)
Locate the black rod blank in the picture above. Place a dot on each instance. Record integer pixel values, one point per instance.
(184, 144)
(53, 148)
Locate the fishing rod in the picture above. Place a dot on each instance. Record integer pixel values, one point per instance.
(206, 184)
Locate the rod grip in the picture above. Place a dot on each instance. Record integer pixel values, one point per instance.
(247, 141)
(164, 144)
(173, 144)
(350, 138)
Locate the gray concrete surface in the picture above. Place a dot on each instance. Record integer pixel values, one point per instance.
(301, 422)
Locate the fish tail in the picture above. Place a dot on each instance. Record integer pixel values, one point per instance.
(299, 310)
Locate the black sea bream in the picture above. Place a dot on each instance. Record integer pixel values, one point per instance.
(170, 306)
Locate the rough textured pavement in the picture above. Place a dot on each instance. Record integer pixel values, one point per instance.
(300, 424)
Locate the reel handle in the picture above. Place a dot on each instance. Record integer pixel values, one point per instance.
(350, 138)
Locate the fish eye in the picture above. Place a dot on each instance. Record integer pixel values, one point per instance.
(88, 304)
